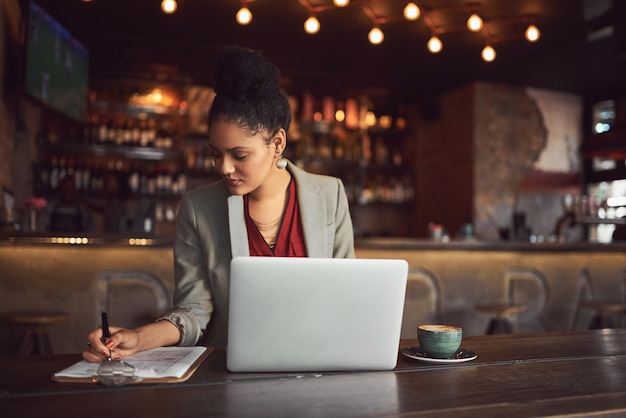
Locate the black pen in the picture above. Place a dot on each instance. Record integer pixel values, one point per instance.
(106, 333)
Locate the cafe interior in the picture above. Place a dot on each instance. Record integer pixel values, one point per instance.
(482, 141)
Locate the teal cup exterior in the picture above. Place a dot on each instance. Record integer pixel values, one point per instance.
(439, 341)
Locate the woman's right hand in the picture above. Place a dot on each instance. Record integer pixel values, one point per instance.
(123, 343)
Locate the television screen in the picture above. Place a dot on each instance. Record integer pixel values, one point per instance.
(56, 67)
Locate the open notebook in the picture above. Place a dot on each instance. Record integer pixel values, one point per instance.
(315, 314)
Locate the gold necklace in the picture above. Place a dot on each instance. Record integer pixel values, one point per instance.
(268, 230)
(267, 226)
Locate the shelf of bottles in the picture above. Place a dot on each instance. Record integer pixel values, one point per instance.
(141, 153)
(91, 173)
(130, 149)
(370, 153)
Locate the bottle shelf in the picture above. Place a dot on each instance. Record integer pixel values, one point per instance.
(114, 151)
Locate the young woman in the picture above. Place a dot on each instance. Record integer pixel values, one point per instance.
(264, 206)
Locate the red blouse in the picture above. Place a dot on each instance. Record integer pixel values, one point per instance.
(290, 239)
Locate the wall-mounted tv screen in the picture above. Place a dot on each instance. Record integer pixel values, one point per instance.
(56, 66)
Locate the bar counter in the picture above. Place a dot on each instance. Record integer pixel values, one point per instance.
(547, 374)
(446, 281)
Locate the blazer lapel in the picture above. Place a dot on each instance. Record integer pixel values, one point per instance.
(237, 225)
(312, 208)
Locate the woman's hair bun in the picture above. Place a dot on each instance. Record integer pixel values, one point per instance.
(243, 74)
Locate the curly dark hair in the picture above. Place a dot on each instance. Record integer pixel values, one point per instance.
(248, 93)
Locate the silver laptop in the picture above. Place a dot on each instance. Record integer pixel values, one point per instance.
(314, 314)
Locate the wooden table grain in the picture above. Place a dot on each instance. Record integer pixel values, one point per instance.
(515, 375)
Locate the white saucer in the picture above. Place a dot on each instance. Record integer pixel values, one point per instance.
(461, 356)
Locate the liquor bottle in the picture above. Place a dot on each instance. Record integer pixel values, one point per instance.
(103, 132)
(44, 174)
(97, 176)
(190, 153)
(136, 133)
(128, 132)
(111, 132)
(62, 168)
(161, 176)
(88, 132)
(181, 180)
(143, 128)
(134, 178)
(381, 151)
(167, 137)
(151, 133)
(86, 173)
(119, 131)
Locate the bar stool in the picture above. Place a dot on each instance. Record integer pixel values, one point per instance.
(502, 311)
(35, 339)
(604, 311)
(131, 297)
(500, 322)
(422, 302)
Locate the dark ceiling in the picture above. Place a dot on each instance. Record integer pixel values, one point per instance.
(129, 36)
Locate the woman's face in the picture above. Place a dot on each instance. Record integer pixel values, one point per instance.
(245, 162)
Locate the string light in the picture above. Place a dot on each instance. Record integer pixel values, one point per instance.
(532, 34)
(474, 23)
(312, 25)
(434, 44)
(411, 11)
(376, 35)
(169, 6)
(244, 16)
(488, 53)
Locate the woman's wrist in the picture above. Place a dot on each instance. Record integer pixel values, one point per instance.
(157, 334)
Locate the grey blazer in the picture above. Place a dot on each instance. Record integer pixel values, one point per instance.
(211, 230)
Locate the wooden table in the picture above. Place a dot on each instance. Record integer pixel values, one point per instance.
(514, 375)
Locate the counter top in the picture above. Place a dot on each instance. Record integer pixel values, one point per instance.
(419, 244)
(484, 245)
(77, 240)
(555, 374)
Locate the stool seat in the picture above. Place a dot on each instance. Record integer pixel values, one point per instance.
(602, 318)
(36, 317)
(500, 324)
(35, 339)
(500, 309)
(604, 306)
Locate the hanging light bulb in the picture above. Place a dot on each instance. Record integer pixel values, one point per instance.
(434, 44)
(376, 36)
(341, 3)
(474, 23)
(244, 16)
(312, 25)
(411, 11)
(169, 6)
(488, 53)
(532, 33)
